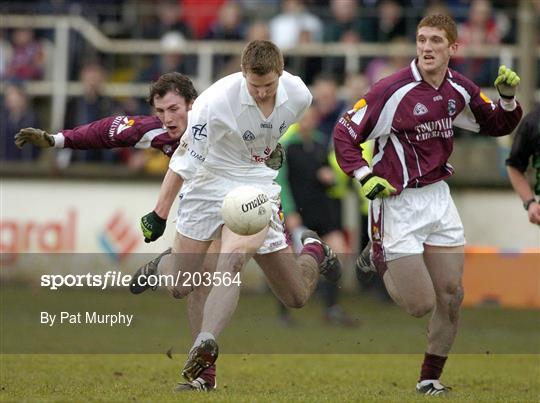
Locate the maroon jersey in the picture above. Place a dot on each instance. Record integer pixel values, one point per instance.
(121, 131)
(412, 125)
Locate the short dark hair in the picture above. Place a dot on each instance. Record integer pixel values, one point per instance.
(441, 21)
(262, 57)
(174, 82)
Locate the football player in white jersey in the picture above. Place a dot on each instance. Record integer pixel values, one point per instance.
(233, 128)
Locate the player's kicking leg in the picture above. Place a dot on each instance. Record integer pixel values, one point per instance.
(206, 381)
(292, 279)
(222, 300)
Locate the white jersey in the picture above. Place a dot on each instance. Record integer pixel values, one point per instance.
(229, 134)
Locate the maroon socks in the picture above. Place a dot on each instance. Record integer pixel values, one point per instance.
(432, 366)
(315, 250)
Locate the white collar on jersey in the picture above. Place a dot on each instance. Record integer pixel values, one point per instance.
(246, 99)
(416, 74)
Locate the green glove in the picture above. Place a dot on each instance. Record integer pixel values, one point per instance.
(277, 158)
(375, 186)
(152, 226)
(507, 82)
(36, 137)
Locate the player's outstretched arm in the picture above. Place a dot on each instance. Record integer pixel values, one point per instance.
(507, 82)
(36, 137)
(153, 224)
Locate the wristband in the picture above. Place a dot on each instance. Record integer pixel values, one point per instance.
(528, 203)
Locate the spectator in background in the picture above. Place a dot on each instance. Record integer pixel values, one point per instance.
(169, 19)
(200, 15)
(230, 24)
(390, 22)
(6, 51)
(27, 57)
(328, 104)
(294, 25)
(16, 114)
(344, 24)
(91, 106)
(384, 66)
(479, 29)
(229, 27)
(171, 60)
(525, 148)
(257, 30)
(305, 179)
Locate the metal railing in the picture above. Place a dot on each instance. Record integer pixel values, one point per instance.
(59, 87)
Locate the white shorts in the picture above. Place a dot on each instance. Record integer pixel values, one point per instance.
(199, 215)
(401, 225)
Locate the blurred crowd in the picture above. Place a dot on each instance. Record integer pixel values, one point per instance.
(27, 53)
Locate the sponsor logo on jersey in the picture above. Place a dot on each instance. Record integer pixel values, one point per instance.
(451, 107)
(438, 128)
(196, 155)
(258, 158)
(266, 125)
(360, 104)
(282, 128)
(420, 109)
(437, 98)
(267, 151)
(248, 136)
(183, 147)
(344, 121)
(119, 124)
(199, 132)
(126, 124)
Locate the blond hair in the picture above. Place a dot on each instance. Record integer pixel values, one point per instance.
(262, 57)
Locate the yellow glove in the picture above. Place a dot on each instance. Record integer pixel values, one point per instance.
(507, 82)
(375, 186)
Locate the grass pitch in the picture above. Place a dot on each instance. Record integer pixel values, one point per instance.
(268, 378)
(496, 357)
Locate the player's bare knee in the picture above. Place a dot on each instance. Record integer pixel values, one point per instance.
(420, 309)
(235, 261)
(295, 301)
(452, 296)
(455, 303)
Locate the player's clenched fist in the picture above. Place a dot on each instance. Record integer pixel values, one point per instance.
(507, 82)
(36, 137)
(152, 226)
(374, 186)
